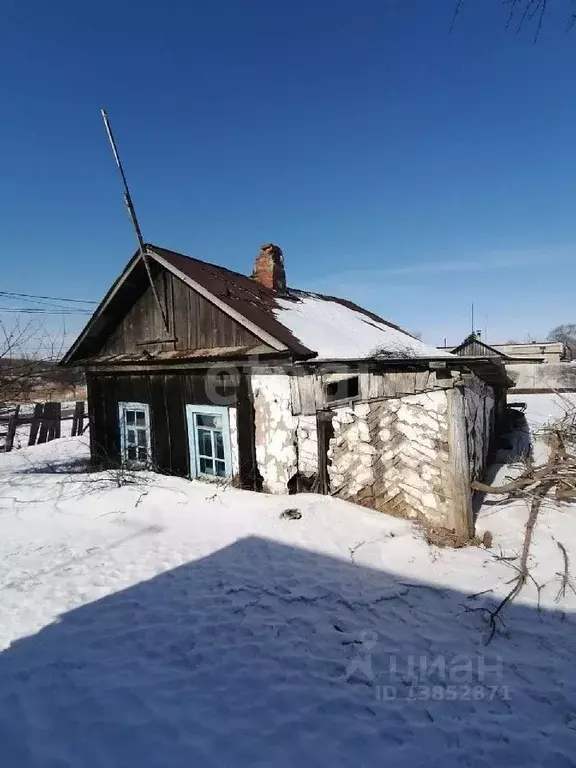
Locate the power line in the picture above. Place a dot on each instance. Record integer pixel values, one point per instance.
(43, 311)
(47, 298)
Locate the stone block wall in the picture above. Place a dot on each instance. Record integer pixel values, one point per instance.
(392, 455)
(406, 455)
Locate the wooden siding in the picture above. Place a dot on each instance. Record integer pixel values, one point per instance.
(167, 395)
(476, 348)
(308, 389)
(193, 322)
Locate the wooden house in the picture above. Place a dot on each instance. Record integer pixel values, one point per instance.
(195, 370)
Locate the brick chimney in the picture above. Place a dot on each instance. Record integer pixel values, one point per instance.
(269, 267)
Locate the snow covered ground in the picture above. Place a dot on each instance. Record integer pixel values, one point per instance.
(174, 623)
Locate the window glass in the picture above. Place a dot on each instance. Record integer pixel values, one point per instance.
(130, 417)
(206, 466)
(207, 420)
(205, 442)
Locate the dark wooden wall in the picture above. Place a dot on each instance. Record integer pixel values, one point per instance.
(192, 319)
(167, 394)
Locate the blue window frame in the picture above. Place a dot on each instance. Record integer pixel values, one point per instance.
(135, 443)
(209, 440)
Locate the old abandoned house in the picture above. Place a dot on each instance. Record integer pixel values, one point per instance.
(202, 372)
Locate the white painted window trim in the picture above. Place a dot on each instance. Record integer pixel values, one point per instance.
(212, 410)
(132, 406)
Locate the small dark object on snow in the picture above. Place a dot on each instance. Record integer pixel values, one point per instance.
(487, 539)
(291, 514)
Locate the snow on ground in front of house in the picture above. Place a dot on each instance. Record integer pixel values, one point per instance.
(336, 331)
(175, 623)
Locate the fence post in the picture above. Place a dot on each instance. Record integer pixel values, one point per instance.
(45, 424)
(78, 419)
(35, 423)
(12, 423)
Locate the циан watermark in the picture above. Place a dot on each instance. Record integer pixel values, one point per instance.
(424, 677)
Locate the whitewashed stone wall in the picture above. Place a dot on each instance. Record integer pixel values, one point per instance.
(392, 455)
(351, 453)
(275, 426)
(307, 441)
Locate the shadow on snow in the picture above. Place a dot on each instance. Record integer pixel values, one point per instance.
(266, 655)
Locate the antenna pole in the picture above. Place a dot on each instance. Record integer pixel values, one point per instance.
(472, 317)
(127, 197)
(133, 217)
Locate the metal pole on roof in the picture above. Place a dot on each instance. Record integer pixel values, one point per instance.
(133, 217)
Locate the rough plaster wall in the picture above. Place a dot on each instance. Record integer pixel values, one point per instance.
(392, 455)
(307, 435)
(478, 405)
(276, 447)
(232, 420)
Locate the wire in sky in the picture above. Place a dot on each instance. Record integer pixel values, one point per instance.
(12, 294)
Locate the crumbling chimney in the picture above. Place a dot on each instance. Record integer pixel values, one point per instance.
(269, 267)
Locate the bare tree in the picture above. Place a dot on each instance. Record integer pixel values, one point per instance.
(566, 333)
(525, 14)
(28, 355)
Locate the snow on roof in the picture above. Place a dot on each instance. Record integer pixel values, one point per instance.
(338, 332)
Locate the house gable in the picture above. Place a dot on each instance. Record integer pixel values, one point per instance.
(473, 347)
(129, 321)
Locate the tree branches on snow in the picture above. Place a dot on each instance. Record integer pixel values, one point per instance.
(535, 484)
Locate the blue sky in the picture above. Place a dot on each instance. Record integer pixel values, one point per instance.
(396, 164)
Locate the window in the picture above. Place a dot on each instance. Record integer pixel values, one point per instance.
(342, 389)
(134, 419)
(209, 438)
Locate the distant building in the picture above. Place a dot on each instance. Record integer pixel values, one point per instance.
(535, 367)
(512, 352)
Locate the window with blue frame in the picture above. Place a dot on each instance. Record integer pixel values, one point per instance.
(135, 442)
(209, 438)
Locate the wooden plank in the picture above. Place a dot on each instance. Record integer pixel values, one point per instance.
(35, 424)
(307, 386)
(295, 395)
(364, 384)
(76, 418)
(250, 477)
(325, 432)
(176, 416)
(160, 427)
(56, 420)
(12, 423)
(47, 416)
(459, 496)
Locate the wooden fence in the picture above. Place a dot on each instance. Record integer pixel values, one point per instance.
(45, 422)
